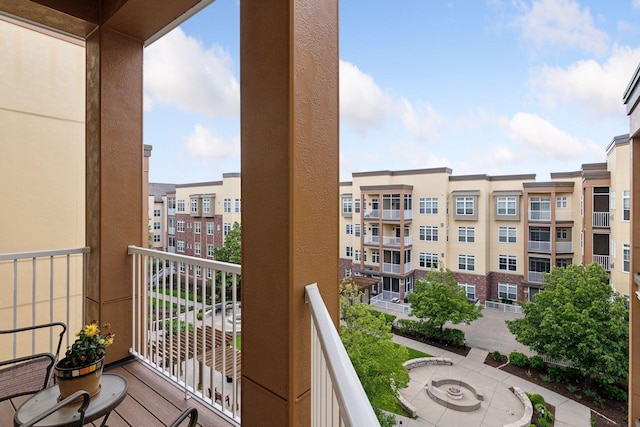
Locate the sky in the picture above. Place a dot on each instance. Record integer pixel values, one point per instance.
(494, 87)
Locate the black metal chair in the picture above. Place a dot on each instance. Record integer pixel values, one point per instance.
(83, 407)
(191, 413)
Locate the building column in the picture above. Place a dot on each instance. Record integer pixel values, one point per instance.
(114, 160)
(634, 308)
(289, 127)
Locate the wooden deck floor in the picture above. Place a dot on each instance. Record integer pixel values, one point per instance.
(151, 401)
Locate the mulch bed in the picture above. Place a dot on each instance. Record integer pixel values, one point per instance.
(463, 351)
(614, 410)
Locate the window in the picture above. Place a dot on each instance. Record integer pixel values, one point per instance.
(171, 202)
(563, 262)
(156, 238)
(562, 233)
(172, 222)
(466, 262)
(428, 205)
(180, 205)
(349, 251)
(466, 234)
(210, 250)
(540, 208)
(226, 229)
(156, 226)
(507, 262)
(347, 272)
(346, 206)
(196, 227)
(349, 229)
(356, 230)
(506, 234)
(429, 233)
(227, 205)
(464, 205)
(180, 226)
(375, 257)
(196, 249)
(626, 258)
(194, 206)
(237, 205)
(581, 205)
(469, 289)
(508, 291)
(356, 206)
(356, 255)
(561, 202)
(206, 206)
(156, 213)
(209, 273)
(180, 247)
(626, 205)
(506, 205)
(539, 234)
(428, 260)
(210, 228)
(181, 267)
(198, 270)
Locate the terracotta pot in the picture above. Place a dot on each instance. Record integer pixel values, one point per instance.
(86, 378)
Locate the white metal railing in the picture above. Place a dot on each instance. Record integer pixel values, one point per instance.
(512, 308)
(564, 247)
(537, 246)
(172, 230)
(381, 302)
(390, 268)
(171, 211)
(601, 219)
(536, 276)
(603, 260)
(41, 287)
(395, 241)
(539, 215)
(408, 214)
(337, 396)
(407, 267)
(550, 361)
(181, 330)
(371, 240)
(372, 214)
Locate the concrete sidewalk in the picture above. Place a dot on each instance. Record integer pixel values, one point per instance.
(492, 381)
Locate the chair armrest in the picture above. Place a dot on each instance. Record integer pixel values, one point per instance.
(44, 325)
(85, 403)
(190, 412)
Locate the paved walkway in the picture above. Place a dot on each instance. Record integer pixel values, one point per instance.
(499, 407)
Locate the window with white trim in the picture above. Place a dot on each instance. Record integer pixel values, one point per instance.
(428, 206)
(209, 273)
(356, 230)
(196, 227)
(356, 205)
(197, 249)
(466, 234)
(198, 271)
(180, 227)
(226, 229)
(210, 228)
(349, 251)
(467, 262)
(156, 226)
(561, 202)
(581, 205)
(238, 205)
(507, 262)
(626, 258)
(469, 289)
(210, 250)
(347, 205)
(206, 206)
(540, 208)
(508, 291)
(348, 228)
(464, 206)
(181, 267)
(156, 213)
(171, 202)
(194, 205)
(429, 233)
(626, 205)
(347, 272)
(227, 206)
(156, 238)
(507, 234)
(356, 255)
(506, 205)
(428, 260)
(180, 205)
(180, 246)
(375, 257)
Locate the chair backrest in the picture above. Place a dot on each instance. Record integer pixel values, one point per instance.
(192, 413)
(28, 374)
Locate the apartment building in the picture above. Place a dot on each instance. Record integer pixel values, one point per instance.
(498, 234)
(158, 215)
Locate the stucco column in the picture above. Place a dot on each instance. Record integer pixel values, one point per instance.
(289, 125)
(634, 309)
(114, 178)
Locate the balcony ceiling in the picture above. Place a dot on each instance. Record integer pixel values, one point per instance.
(144, 20)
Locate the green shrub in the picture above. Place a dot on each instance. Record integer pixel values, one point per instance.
(497, 356)
(614, 392)
(537, 363)
(388, 318)
(591, 394)
(542, 422)
(453, 337)
(535, 399)
(518, 359)
(546, 378)
(558, 374)
(572, 388)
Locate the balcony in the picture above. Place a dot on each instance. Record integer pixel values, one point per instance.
(539, 246)
(396, 268)
(371, 240)
(600, 220)
(175, 364)
(171, 211)
(395, 214)
(536, 276)
(171, 230)
(396, 241)
(372, 214)
(564, 247)
(603, 260)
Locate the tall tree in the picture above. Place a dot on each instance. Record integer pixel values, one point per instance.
(438, 299)
(578, 317)
(367, 337)
(230, 251)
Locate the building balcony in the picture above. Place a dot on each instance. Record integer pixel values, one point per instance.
(564, 247)
(171, 211)
(540, 216)
(396, 268)
(372, 214)
(396, 241)
(536, 276)
(372, 240)
(603, 260)
(539, 247)
(396, 214)
(171, 230)
(600, 220)
(175, 355)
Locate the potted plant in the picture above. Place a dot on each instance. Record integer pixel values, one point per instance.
(82, 365)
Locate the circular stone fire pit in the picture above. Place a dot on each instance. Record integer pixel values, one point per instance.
(455, 394)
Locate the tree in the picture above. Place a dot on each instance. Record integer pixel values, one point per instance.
(230, 251)
(438, 299)
(579, 318)
(367, 337)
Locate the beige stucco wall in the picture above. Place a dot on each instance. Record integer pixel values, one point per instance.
(618, 164)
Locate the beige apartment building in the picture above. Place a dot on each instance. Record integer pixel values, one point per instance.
(498, 234)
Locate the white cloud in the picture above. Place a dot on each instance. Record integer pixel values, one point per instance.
(204, 144)
(562, 23)
(415, 155)
(423, 124)
(541, 139)
(180, 71)
(596, 87)
(636, 4)
(362, 103)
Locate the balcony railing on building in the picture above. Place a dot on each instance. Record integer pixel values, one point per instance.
(372, 214)
(395, 214)
(536, 276)
(564, 247)
(539, 246)
(191, 340)
(171, 211)
(603, 260)
(371, 240)
(396, 241)
(600, 220)
(396, 268)
(537, 215)
(172, 230)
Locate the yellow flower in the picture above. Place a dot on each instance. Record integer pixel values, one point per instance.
(91, 330)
